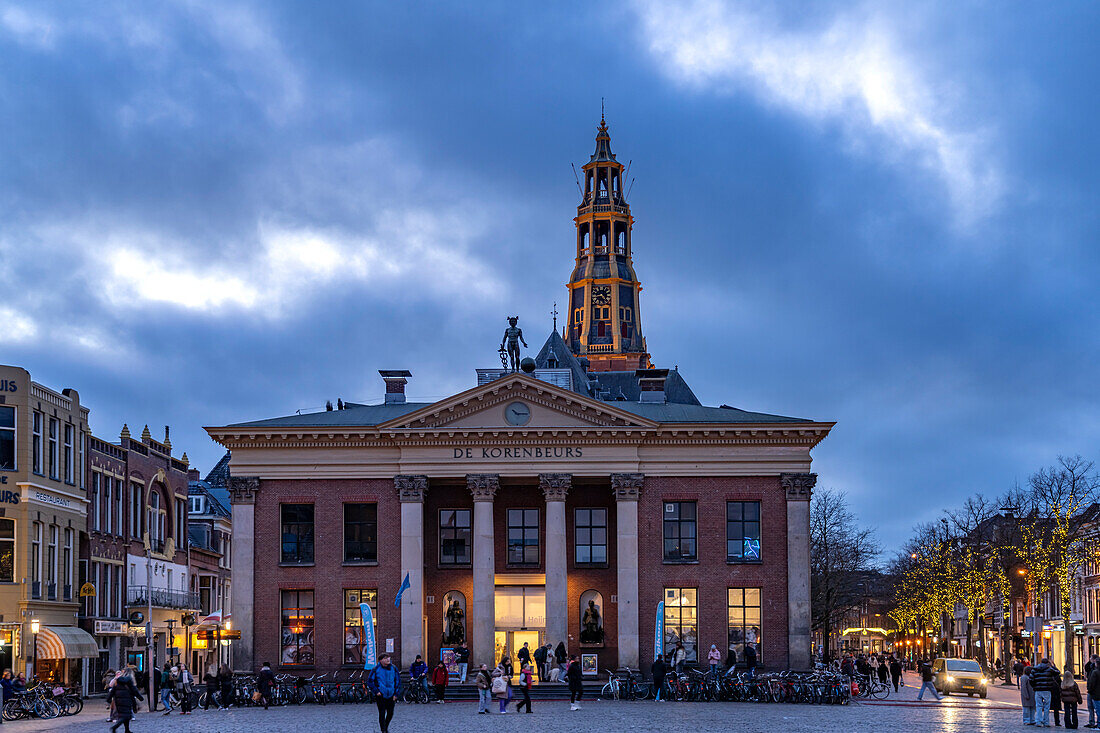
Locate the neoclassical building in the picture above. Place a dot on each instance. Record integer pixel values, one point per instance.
(562, 503)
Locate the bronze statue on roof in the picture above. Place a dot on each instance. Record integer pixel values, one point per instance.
(513, 337)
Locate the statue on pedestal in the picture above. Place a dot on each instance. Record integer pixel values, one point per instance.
(591, 629)
(509, 345)
(456, 626)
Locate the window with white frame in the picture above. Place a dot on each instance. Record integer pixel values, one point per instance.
(36, 552)
(67, 564)
(52, 453)
(69, 465)
(135, 509)
(51, 560)
(97, 486)
(7, 550)
(7, 438)
(36, 442)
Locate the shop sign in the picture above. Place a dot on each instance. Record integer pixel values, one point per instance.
(517, 453)
(109, 628)
(87, 590)
(51, 499)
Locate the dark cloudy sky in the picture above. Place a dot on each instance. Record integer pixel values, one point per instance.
(883, 215)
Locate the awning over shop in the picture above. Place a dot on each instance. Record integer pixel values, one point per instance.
(65, 642)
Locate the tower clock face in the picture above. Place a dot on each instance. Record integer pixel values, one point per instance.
(517, 413)
(601, 295)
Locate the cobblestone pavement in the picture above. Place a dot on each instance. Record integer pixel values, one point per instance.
(956, 714)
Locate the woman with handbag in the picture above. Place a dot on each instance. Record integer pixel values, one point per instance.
(184, 684)
(125, 697)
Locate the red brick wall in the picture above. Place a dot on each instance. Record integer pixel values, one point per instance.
(711, 575)
(329, 576)
(587, 577)
(440, 579)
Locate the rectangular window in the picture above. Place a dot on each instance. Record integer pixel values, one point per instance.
(36, 442)
(680, 531)
(523, 536)
(51, 557)
(626, 315)
(454, 537)
(51, 454)
(196, 505)
(744, 621)
(117, 508)
(590, 536)
(181, 521)
(360, 532)
(354, 639)
(743, 531)
(297, 533)
(296, 647)
(108, 503)
(97, 484)
(7, 438)
(135, 510)
(69, 453)
(681, 621)
(601, 312)
(36, 553)
(67, 565)
(7, 550)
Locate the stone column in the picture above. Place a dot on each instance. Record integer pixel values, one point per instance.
(627, 488)
(243, 491)
(411, 491)
(554, 487)
(798, 486)
(482, 622)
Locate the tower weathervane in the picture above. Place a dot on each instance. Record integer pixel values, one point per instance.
(555, 314)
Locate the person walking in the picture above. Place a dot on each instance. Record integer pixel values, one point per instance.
(440, 678)
(540, 663)
(184, 686)
(264, 683)
(576, 682)
(524, 655)
(462, 656)
(714, 657)
(1027, 697)
(750, 660)
(500, 689)
(506, 665)
(124, 696)
(658, 670)
(526, 677)
(211, 681)
(1092, 689)
(384, 682)
(926, 681)
(895, 672)
(883, 671)
(484, 685)
(1044, 680)
(1071, 698)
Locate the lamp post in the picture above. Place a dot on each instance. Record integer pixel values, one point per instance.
(36, 626)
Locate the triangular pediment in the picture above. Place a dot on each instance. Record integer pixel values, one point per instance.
(517, 402)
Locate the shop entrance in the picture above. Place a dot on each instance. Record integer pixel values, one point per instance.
(520, 619)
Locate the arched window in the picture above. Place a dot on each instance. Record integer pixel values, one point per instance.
(454, 618)
(591, 617)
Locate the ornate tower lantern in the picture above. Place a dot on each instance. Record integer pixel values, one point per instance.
(604, 322)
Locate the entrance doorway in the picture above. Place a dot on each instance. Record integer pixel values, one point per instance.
(520, 619)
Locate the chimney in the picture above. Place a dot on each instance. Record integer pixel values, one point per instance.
(652, 384)
(395, 379)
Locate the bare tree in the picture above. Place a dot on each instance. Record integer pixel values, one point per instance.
(841, 555)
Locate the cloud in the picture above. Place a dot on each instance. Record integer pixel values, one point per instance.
(17, 326)
(27, 27)
(851, 71)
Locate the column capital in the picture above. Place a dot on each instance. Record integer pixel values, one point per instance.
(555, 486)
(243, 489)
(627, 486)
(799, 486)
(411, 488)
(483, 486)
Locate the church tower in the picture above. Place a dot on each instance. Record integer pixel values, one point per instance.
(605, 324)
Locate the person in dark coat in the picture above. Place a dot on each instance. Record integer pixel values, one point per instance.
(124, 695)
(540, 662)
(883, 671)
(750, 660)
(895, 672)
(1092, 688)
(576, 682)
(559, 653)
(211, 681)
(659, 669)
(264, 683)
(1044, 680)
(225, 682)
(1070, 695)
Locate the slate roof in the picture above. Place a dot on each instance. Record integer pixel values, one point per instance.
(621, 389)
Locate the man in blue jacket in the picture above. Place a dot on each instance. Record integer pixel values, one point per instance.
(385, 683)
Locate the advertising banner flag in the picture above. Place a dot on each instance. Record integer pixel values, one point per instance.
(405, 585)
(659, 632)
(370, 648)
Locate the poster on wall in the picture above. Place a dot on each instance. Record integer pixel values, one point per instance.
(589, 665)
(450, 661)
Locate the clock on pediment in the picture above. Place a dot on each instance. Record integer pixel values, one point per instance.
(517, 413)
(601, 295)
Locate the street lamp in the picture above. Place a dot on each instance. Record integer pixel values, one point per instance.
(36, 626)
